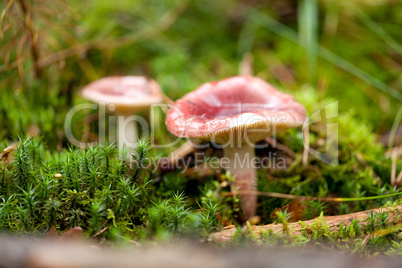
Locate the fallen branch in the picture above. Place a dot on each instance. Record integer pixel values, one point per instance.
(295, 228)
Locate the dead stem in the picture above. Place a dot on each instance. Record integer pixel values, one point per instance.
(101, 231)
(2, 18)
(32, 36)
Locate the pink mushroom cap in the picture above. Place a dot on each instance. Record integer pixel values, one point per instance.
(130, 94)
(240, 108)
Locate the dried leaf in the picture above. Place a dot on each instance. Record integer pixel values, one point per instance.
(73, 234)
(52, 233)
(6, 155)
(296, 209)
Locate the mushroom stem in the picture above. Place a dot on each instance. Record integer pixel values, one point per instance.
(127, 131)
(241, 165)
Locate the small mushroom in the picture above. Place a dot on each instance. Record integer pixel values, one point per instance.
(236, 112)
(126, 96)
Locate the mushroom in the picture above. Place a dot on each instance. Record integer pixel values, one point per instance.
(236, 112)
(126, 96)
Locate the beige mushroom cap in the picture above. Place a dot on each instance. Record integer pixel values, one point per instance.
(130, 94)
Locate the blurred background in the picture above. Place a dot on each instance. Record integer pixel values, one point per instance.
(330, 50)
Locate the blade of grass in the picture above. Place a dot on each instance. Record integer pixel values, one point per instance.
(289, 34)
(393, 29)
(246, 38)
(372, 25)
(308, 35)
